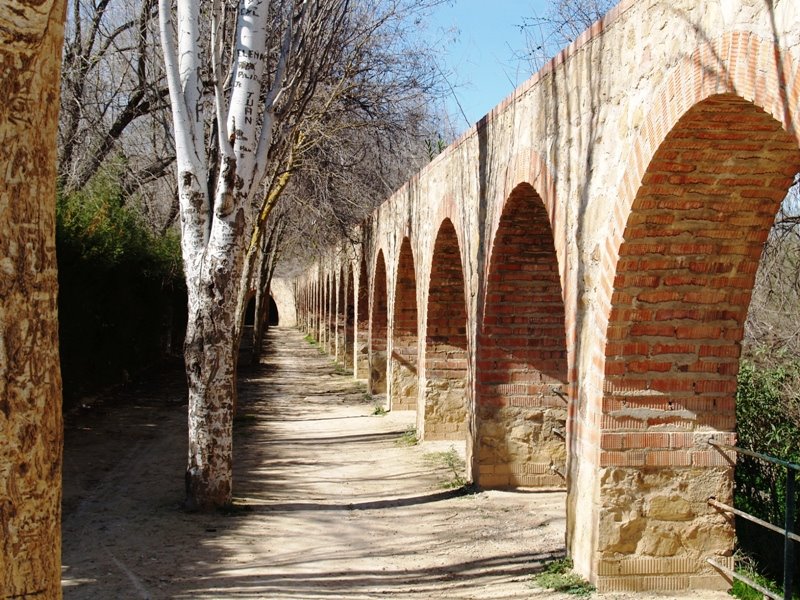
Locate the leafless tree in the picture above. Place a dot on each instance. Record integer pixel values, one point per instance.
(247, 81)
(562, 22)
(114, 109)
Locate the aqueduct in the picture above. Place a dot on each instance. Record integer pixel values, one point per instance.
(565, 287)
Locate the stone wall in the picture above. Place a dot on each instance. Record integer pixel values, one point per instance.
(605, 223)
(282, 292)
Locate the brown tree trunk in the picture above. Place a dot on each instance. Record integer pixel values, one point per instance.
(31, 33)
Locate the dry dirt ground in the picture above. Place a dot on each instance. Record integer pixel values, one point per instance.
(329, 503)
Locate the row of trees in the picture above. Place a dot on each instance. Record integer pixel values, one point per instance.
(247, 125)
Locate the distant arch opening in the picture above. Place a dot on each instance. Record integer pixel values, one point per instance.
(273, 317)
(328, 309)
(362, 322)
(405, 339)
(250, 312)
(341, 316)
(445, 415)
(350, 320)
(522, 355)
(377, 355)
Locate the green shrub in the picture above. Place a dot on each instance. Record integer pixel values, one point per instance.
(765, 425)
(767, 422)
(558, 576)
(122, 299)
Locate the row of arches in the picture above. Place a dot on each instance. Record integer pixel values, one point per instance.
(616, 397)
(521, 349)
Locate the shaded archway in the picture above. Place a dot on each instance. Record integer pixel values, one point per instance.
(250, 311)
(273, 318)
(361, 367)
(341, 315)
(330, 299)
(349, 319)
(404, 340)
(445, 414)
(378, 328)
(682, 287)
(522, 353)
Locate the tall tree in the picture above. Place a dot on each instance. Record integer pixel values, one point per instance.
(241, 112)
(115, 117)
(259, 85)
(31, 33)
(113, 91)
(367, 135)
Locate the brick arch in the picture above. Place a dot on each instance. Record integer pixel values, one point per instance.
(378, 328)
(405, 336)
(532, 169)
(341, 313)
(361, 360)
(330, 309)
(447, 212)
(684, 276)
(740, 63)
(349, 315)
(444, 391)
(324, 330)
(522, 353)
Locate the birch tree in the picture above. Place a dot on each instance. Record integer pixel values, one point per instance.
(31, 33)
(253, 86)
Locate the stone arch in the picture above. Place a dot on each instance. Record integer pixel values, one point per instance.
(378, 328)
(330, 313)
(444, 392)
(361, 367)
(250, 310)
(349, 317)
(341, 314)
(522, 353)
(323, 310)
(273, 316)
(405, 338)
(681, 290)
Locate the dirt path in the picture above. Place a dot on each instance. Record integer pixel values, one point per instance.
(329, 503)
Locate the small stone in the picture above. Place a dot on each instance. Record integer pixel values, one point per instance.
(670, 508)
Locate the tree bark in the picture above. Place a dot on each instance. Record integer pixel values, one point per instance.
(31, 34)
(210, 354)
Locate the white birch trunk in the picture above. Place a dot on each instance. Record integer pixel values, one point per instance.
(214, 234)
(213, 245)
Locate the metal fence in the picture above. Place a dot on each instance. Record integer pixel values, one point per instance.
(787, 531)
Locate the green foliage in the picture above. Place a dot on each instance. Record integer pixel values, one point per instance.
(409, 437)
(122, 300)
(378, 410)
(435, 147)
(765, 424)
(453, 463)
(768, 422)
(340, 369)
(558, 576)
(747, 566)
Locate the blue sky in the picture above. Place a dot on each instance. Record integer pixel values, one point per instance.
(481, 56)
